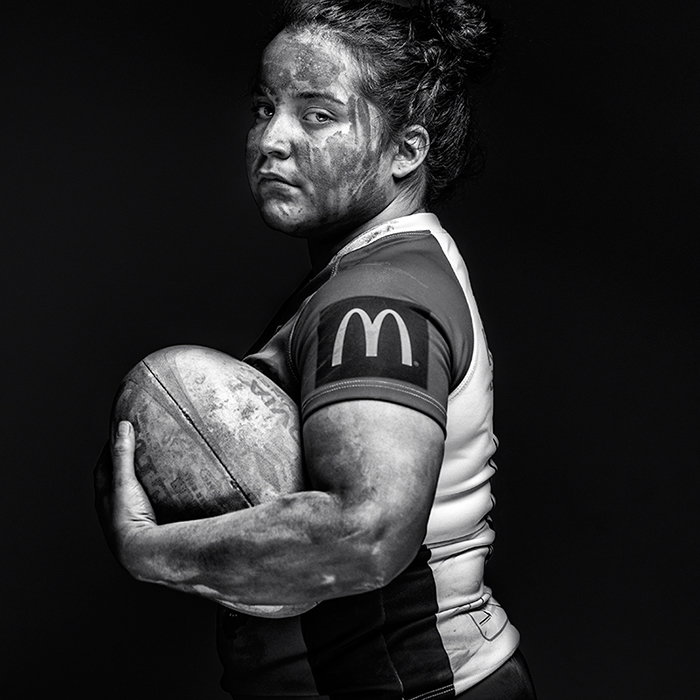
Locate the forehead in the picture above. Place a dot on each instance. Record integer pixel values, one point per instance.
(302, 60)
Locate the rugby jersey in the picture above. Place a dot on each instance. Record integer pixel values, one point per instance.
(392, 317)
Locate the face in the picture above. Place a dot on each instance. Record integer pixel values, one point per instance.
(315, 162)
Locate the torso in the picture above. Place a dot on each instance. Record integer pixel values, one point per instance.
(392, 317)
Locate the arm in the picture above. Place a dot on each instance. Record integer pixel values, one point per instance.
(373, 466)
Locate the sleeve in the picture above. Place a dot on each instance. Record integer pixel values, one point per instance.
(393, 342)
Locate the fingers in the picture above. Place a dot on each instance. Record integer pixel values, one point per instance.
(102, 478)
(102, 473)
(123, 508)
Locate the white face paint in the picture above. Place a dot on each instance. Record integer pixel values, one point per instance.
(314, 156)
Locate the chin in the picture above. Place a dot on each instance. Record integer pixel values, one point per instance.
(284, 217)
(283, 223)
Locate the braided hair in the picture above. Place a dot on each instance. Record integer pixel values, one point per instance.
(419, 62)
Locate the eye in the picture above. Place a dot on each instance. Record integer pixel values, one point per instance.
(318, 116)
(263, 110)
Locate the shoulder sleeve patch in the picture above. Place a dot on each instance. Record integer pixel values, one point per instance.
(369, 336)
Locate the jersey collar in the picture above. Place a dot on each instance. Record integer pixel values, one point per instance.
(423, 221)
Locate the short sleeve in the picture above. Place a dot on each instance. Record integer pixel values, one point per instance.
(372, 347)
(392, 323)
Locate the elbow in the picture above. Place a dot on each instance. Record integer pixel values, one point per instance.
(377, 554)
(384, 563)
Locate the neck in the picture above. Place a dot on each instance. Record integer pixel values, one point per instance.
(322, 249)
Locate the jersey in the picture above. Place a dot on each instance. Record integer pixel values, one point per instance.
(391, 318)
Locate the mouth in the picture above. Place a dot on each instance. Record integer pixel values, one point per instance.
(270, 178)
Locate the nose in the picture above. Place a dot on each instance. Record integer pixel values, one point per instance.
(275, 139)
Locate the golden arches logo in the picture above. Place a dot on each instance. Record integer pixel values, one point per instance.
(372, 329)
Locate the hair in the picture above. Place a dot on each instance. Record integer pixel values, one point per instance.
(420, 63)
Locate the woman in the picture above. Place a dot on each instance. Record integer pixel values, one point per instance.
(362, 117)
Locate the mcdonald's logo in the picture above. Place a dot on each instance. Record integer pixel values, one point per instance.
(372, 331)
(372, 337)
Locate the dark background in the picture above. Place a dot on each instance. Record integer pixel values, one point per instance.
(126, 226)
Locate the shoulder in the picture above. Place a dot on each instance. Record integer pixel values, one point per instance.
(407, 266)
(392, 307)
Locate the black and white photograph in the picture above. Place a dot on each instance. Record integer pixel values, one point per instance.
(349, 350)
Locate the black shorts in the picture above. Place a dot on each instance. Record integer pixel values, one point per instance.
(511, 681)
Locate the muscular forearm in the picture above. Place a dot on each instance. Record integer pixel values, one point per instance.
(373, 466)
(303, 548)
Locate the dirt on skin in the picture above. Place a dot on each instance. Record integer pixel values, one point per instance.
(338, 165)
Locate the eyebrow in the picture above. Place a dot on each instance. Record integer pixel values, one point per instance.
(312, 95)
(262, 89)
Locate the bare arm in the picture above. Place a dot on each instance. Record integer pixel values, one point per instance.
(373, 466)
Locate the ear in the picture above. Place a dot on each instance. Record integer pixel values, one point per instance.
(411, 152)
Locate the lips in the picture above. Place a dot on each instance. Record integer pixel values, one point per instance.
(268, 177)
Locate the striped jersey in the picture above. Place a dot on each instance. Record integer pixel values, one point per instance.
(393, 318)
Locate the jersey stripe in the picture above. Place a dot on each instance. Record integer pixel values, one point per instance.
(385, 639)
(347, 649)
(416, 647)
(257, 644)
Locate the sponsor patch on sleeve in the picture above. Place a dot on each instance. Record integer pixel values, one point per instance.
(372, 337)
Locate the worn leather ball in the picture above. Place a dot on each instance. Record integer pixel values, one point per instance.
(213, 435)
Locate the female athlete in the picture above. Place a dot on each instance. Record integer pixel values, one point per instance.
(362, 120)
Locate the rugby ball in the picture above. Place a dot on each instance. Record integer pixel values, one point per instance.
(213, 435)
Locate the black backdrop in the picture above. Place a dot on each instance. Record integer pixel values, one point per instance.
(126, 226)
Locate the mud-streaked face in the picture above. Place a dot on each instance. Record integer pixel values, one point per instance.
(314, 155)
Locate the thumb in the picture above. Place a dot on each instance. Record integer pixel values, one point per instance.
(123, 447)
(129, 495)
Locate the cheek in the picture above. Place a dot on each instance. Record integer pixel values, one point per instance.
(355, 173)
(337, 172)
(364, 158)
(347, 169)
(252, 151)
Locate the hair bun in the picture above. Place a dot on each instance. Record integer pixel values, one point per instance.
(419, 60)
(463, 30)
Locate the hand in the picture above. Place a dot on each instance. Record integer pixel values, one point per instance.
(122, 505)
